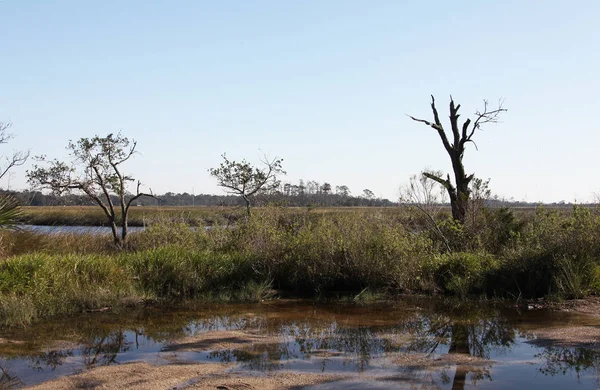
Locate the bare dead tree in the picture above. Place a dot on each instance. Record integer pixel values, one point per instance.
(427, 197)
(95, 170)
(459, 192)
(15, 159)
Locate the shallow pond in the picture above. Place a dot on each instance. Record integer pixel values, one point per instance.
(421, 343)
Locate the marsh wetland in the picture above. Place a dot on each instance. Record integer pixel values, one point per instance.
(305, 299)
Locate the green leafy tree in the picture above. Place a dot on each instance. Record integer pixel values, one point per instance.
(460, 191)
(246, 180)
(95, 170)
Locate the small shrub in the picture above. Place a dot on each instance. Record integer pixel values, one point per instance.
(464, 273)
(576, 278)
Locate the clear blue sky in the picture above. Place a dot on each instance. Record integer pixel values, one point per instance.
(323, 84)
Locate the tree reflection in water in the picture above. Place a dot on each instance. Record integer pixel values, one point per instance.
(336, 347)
(561, 360)
(8, 380)
(104, 351)
(428, 346)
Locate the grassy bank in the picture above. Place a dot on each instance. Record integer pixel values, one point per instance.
(495, 254)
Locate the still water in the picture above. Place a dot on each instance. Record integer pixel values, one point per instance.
(410, 343)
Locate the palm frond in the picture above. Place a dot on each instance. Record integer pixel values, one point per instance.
(10, 212)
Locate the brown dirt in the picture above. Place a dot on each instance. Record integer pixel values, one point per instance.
(572, 336)
(219, 340)
(181, 376)
(589, 306)
(582, 330)
(281, 380)
(424, 361)
(133, 376)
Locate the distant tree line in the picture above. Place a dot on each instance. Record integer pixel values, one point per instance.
(293, 199)
(287, 195)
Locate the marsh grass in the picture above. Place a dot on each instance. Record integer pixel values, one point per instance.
(41, 285)
(23, 242)
(138, 216)
(364, 255)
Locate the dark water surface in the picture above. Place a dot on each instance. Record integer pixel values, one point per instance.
(416, 343)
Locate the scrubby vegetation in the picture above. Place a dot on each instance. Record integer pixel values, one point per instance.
(494, 253)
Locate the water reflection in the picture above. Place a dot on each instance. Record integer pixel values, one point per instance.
(8, 380)
(426, 342)
(559, 361)
(465, 339)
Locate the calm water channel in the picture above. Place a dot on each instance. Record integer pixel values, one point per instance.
(421, 343)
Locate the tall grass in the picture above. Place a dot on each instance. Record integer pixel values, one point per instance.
(41, 285)
(305, 253)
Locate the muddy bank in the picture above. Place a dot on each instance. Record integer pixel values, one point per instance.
(589, 306)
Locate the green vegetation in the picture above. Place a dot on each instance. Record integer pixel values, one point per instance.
(362, 253)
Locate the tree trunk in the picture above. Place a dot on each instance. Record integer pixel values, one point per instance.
(115, 232)
(460, 340)
(461, 204)
(459, 344)
(124, 226)
(460, 200)
(247, 206)
(460, 377)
